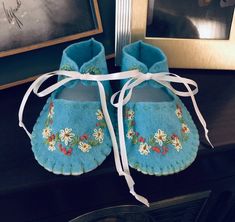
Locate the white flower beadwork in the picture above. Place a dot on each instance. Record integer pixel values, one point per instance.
(130, 133)
(51, 146)
(176, 143)
(185, 128)
(46, 132)
(99, 114)
(144, 149)
(130, 114)
(66, 135)
(84, 147)
(160, 137)
(99, 135)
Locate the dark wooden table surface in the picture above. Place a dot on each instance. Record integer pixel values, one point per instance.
(30, 192)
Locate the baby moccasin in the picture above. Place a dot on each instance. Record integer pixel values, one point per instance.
(70, 136)
(160, 135)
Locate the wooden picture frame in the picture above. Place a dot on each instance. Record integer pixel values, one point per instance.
(32, 78)
(181, 52)
(16, 24)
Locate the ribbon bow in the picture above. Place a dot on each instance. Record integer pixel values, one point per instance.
(164, 78)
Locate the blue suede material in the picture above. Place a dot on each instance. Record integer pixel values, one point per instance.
(161, 137)
(145, 58)
(70, 137)
(70, 114)
(84, 57)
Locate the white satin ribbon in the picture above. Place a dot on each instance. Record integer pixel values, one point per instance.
(136, 79)
(71, 75)
(164, 78)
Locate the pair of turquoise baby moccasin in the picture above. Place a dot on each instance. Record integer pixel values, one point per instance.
(155, 131)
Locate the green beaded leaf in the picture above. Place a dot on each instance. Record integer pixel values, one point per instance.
(152, 141)
(47, 122)
(184, 136)
(181, 120)
(134, 139)
(75, 141)
(46, 142)
(130, 124)
(57, 138)
(93, 142)
(102, 124)
(168, 140)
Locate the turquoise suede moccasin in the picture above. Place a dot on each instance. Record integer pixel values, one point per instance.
(161, 137)
(70, 136)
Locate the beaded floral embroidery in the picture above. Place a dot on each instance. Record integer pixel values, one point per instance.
(92, 69)
(66, 141)
(66, 67)
(159, 142)
(141, 69)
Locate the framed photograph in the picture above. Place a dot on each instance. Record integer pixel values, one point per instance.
(27, 24)
(197, 34)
